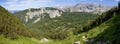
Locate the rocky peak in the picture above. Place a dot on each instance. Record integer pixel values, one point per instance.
(86, 7)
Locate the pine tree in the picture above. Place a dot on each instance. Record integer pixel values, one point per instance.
(119, 5)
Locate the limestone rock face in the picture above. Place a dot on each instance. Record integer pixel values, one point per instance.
(40, 14)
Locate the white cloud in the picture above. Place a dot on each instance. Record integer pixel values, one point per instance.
(23, 4)
(9, 2)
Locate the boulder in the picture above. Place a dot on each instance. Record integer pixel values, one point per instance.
(44, 40)
(77, 42)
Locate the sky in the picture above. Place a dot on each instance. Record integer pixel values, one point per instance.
(24, 4)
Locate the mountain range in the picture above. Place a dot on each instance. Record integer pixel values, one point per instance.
(36, 14)
(85, 7)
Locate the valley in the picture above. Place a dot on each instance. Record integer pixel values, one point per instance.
(87, 23)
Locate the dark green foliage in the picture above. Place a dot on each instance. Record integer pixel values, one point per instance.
(112, 33)
(10, 26)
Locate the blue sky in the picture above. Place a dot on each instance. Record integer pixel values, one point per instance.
(24, 4)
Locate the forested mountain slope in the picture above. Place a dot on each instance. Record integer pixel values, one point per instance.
(111, 33)
(13, 31)
(11, 26)
(60, 25)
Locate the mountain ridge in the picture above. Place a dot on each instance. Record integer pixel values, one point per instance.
(34, 15)
(85, 7)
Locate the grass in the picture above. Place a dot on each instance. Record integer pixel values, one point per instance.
(20, 40)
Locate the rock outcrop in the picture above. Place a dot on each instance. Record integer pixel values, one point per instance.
(44, 40)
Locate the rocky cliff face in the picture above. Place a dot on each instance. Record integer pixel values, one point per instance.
(38, 14)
